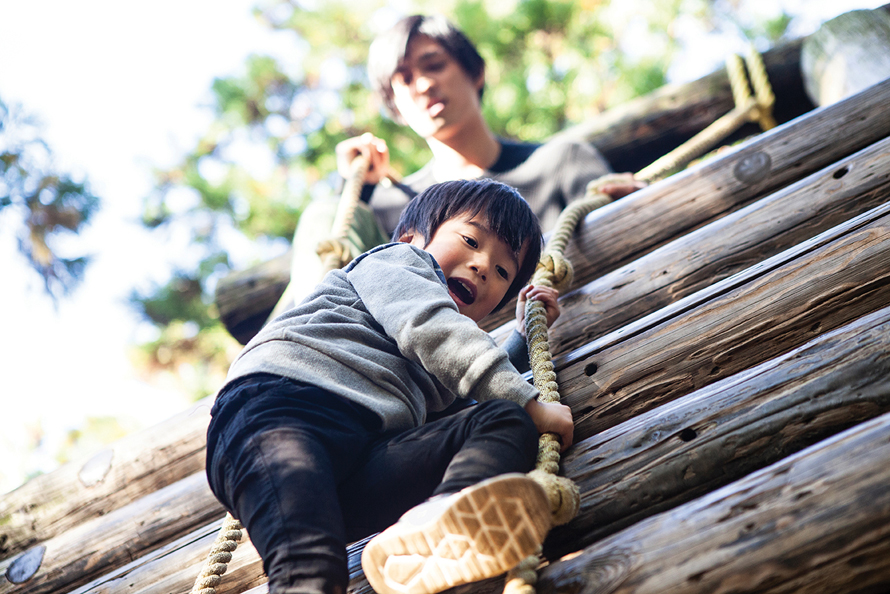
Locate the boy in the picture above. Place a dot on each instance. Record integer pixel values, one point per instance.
(320, 438)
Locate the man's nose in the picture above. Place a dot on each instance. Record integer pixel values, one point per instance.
(422, 83)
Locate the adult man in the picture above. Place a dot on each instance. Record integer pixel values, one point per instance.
(429, 76)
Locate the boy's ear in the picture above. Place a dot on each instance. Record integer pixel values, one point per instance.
(409, 237)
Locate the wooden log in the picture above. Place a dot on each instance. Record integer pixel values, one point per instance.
(846, 55)
(748, 318)
(173, 568)
(105, 543)
(724, 431)
(818, 521)
(721, 248)
(639, 223)
(136, 465)
(627, 229)
(669, 455)
(246, 298)
(633, 135)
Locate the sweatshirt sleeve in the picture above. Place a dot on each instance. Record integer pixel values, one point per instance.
(400, 287)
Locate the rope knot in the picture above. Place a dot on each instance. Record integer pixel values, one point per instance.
(334, 253)
(564, 495)
(555, 270)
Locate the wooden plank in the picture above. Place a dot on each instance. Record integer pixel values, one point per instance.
(722, 248)
(737, 323)
(136, 465)
(818, 521)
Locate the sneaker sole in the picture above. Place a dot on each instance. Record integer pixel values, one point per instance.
(488, 530)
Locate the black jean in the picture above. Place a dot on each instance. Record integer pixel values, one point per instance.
(307, 471)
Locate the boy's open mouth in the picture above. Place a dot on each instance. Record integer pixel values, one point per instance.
(463, 290)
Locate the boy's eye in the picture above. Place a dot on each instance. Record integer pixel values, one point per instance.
(503, 272)
(471, 242)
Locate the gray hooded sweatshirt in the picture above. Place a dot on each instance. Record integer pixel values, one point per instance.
(385, 333)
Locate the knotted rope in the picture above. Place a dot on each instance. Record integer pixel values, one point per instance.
(554, 270)
(220, 554)
(336, 251)
(748, 108)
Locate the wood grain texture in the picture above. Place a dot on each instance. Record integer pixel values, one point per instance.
(724, 431)
(98, 546)
(635, 225)
(737, 323)
(818, 521)
(132, 467)
(722, 248)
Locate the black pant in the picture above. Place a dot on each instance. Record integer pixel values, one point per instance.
(307, 471)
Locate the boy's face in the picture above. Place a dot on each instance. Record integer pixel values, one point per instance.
(479, 267)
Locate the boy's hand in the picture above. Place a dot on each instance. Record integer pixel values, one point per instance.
(552, 417)
(373, 148)
(546, 295)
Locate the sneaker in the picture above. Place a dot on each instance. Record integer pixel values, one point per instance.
(480, 532)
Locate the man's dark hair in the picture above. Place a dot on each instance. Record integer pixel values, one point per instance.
(387, 53)
(508, 215)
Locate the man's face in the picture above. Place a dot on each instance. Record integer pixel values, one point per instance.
(479, 267)
(432, 92)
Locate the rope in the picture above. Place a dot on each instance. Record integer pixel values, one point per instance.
(555, 271)
(748, 108)
(219, 557)
(336, 252)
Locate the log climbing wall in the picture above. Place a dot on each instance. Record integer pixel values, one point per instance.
(725, 354)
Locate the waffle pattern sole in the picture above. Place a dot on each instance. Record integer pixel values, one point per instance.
(480, 532)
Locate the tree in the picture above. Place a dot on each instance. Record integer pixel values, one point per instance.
(271, 147)
(50, 205)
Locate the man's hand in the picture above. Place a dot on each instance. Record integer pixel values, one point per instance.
(552, 417)
(546, 295)
(623, 185)
(373, 148)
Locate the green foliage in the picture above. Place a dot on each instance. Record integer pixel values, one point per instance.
(50, 205)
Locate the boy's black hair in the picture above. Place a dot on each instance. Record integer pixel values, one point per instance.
(507, 213)
(387, 53)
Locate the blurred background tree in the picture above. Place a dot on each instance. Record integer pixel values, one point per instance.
(49, 207)
(240, 191)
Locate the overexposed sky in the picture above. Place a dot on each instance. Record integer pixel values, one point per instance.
(119, 87)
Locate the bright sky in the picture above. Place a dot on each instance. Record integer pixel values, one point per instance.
(118, 87)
